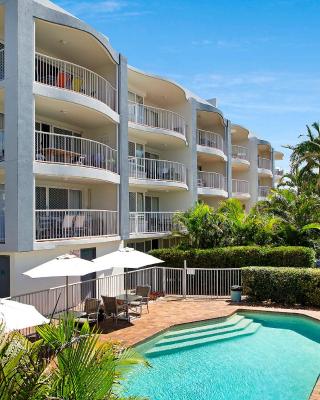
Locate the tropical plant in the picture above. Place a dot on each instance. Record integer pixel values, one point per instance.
(66, 363)
(306, 154)
(297, 214)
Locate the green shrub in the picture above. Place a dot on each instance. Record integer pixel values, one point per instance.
(282, 285)
(237, 257)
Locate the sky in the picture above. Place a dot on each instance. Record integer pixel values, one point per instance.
(259, 58)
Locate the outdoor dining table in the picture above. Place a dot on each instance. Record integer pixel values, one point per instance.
(70, 313)
(55, 154)
(127, 299)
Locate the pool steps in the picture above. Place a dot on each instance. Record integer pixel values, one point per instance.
(193, 337)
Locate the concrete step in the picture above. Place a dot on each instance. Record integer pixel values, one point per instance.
(161, 350)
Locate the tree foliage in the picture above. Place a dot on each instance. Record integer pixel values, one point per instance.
(65, 364)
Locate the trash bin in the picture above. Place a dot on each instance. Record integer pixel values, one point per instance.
(236, 292)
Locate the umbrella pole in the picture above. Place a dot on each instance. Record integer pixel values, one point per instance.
(67, 293)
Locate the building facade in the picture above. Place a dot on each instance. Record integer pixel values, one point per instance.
(94, 154)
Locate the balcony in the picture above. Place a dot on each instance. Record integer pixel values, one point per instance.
(1, 64)
(75, 224)
(212, 184)
(264, 166)
(68, 76)
(146, 171)
(263, 192)
(153, 223)
(240, 189)
(210, 143)
(52, 148)
(278, 174)
(158, 119)
(240, 157)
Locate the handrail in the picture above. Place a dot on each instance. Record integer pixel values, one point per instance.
(263, 191)
(212, 180)
(74, 150)
(264, 163)
(56, 224)
(210, 139)
(156, 117)
(163, 170)
(240, 152)
(66, 75)
(151, 221)
(240, 186)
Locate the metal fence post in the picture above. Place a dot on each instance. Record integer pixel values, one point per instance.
(164, 281)
(184, 279)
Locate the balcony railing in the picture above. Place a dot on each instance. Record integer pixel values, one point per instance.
(1, 145)
(65, 75)
(240, 186)
(2, 227)
(66, 224)
(1, 64)
(279, 171)
(212, 180)
(159, 170)
(65, 149)
(263, 191)
(210, 139)
(264, 163)
(156, 118)
(240, 152)
(151, 222)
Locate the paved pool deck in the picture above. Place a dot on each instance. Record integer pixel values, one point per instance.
(167, 312)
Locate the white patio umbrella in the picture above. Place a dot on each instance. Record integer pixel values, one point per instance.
(16, 315)
(126, 257)
(66, 265)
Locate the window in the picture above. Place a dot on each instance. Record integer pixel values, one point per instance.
(136, 150)
(58, 198)
(135, 98)
(136, 202)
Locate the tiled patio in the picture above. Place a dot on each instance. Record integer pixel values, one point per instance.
(167, 312)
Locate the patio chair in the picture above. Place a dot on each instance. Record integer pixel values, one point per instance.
(67, 225)
(79, 225)
(112, 308)
(91, 309)
(144, 292)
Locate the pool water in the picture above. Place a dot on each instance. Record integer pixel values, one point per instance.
(249, 356)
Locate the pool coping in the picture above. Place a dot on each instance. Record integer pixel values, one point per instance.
(315, 392)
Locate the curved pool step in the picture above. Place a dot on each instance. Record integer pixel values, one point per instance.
(193, 335)
(209, 326)
(161, 350)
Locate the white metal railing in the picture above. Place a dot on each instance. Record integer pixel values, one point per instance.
(65, 224)
(188, 282)
(151, 222)
(240, 186)
(65, 149)
(210, 139)
(65, 75)
(212, 180)
(1, 64)
(156, 118)
(2, 227)
(279, 171)
(264, 163)
(240, 152)
(2, 145)
(160, 170)
(263, 191)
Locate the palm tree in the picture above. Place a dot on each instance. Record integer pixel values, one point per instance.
(306, 154)
(298, 215)
(66, 363)
(300, 180)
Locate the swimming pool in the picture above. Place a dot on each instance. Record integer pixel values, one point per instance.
(248, 356)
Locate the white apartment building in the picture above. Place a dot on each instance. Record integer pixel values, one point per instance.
(94, 154)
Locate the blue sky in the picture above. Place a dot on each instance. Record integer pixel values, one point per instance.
(259, 58)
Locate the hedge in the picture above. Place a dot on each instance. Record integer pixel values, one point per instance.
(237, 257)
(282, 285)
